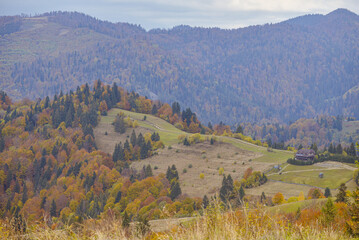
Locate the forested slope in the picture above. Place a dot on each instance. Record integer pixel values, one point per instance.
(298, 68)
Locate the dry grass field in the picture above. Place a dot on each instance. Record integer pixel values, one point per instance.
(233, 155)
(204, 158)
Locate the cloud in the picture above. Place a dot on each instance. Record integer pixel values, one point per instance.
(169, 13)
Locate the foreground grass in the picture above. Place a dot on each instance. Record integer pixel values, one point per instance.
(240, 224)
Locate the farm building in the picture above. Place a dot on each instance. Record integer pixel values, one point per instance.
(305, 155)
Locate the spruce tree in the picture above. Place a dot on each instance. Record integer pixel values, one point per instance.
(341, 196)
(185, 142)
(24, 194)
(148, 171)
(329, 211)
(241, 193)
(239, 129)
(133, 138)
(205, 202)
(53, 208)
(118, 197)
(263, 197)
(126, 220)
(331, 148)
(327, 192)
(175, 190)
(339, 149)
(351, 151)
(2, 143)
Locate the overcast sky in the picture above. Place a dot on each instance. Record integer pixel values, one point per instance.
(168, 13)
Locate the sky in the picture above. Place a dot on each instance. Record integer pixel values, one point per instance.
(169, 13)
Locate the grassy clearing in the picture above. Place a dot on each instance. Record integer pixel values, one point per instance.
(273, 187)
(332, 177)
(291, 167)
(169, 135)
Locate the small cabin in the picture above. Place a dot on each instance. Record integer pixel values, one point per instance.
(305, 155)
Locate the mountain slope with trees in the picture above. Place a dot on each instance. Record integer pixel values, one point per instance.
(297, 68)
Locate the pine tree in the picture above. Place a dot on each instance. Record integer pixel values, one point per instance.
(339, 149)
(53, 208)
(351, 151)
(176, 108)
(43, 202)
(327, 192)
(352, 225)
(331, 148)
(205, 202)
(329, 211)
(119, 124)
(18, 223)
(342, 195)
(148, 171)
(226, 191)
(185, 142)
(241, 193)
(263, 197)
(133, 138)
(118, 197)
(126, 220)
(239, 129)
(175, 190)
(154, 109)
(2, 143)
(24, 194)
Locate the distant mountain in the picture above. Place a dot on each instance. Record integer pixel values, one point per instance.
(301, 67)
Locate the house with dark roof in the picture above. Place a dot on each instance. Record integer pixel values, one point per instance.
(305, 155)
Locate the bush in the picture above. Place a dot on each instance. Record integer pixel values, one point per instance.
(201, 176)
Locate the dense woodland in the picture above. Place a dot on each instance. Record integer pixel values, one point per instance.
(322, 131)
(50, 166)
(52, 173)
(309, 65)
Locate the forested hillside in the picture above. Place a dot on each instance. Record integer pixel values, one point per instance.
(298, 68)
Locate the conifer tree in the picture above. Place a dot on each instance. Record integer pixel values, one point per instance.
(24, 194)
(118, 197)
(263, 197)
(126, 220)
(148, 171)
(239, 129)
(329, 211)
(205, 202)
(175, 190)
(53, 208)
(241, 193)
(133, 138)
(342, 195)
(327, 192)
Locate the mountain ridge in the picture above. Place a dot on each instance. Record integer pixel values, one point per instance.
(232, 75)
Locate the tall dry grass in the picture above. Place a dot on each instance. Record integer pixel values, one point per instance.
(214, 225)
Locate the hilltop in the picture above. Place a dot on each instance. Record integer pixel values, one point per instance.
(307, 64)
